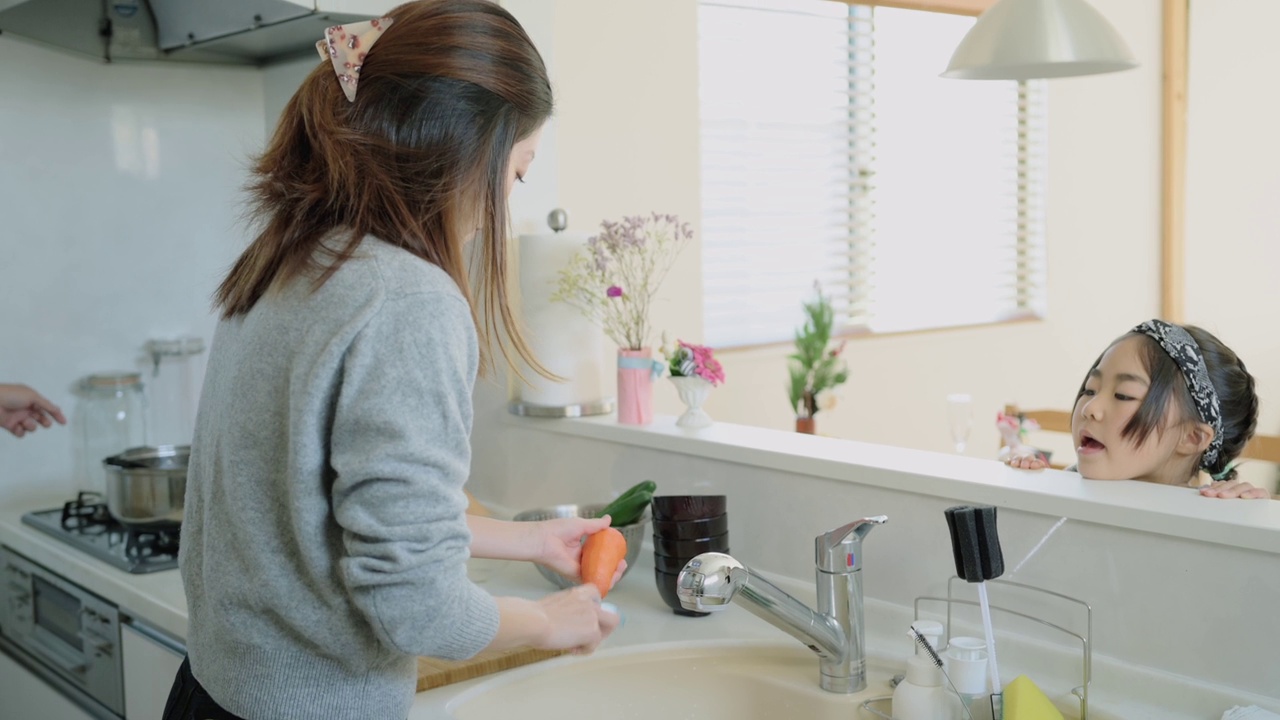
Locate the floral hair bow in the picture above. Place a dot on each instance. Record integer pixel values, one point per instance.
(346, 45)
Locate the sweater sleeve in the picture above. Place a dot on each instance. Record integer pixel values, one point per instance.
(400, 448)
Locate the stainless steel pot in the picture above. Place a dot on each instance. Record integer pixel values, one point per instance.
(146, 486)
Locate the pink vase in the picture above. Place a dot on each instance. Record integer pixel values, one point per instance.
(636, 370)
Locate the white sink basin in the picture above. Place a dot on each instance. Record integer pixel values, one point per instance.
(723, 680)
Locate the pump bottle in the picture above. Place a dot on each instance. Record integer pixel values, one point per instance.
(923, 695)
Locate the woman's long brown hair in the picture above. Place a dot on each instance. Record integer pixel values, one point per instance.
(418, 159)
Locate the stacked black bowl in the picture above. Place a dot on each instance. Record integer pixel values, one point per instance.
(685, 526)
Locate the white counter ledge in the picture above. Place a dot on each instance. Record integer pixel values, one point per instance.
(1179, 512)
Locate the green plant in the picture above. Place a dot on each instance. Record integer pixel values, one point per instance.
(815, 368)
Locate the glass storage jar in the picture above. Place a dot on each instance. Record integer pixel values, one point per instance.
(110, 416)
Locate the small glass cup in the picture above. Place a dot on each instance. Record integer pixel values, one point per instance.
(960, 419)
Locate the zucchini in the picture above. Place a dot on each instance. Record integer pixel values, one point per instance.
(630, 505)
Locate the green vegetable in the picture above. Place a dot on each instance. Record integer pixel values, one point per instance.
(630, 505)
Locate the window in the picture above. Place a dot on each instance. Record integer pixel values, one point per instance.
(833, 153)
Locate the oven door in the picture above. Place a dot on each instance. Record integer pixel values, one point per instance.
(56, 627)
(63, 633)
(31, 690)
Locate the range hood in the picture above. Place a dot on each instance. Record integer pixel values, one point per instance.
(238, 32)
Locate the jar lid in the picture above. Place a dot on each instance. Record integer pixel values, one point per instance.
(112, 380)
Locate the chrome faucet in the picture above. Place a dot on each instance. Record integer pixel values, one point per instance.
(710, 581)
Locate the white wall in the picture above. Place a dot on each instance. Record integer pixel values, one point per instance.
(108, 243)
(120, 193)
(628, 141)
(1232, 186)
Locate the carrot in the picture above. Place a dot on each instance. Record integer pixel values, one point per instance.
(601, 554)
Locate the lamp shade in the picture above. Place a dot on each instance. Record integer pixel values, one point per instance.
(1025, 39)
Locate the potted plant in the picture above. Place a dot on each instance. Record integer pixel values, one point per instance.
(613, 280)
(815, 368)
(694, 371)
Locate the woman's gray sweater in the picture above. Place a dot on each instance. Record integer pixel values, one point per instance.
(324, 544)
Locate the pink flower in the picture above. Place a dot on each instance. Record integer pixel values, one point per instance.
(699, 362)
(614, 291)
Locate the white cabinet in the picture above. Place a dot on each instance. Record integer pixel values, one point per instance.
(24, 695)
(151, 662)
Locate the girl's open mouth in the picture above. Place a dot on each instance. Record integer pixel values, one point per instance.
(1089, 444)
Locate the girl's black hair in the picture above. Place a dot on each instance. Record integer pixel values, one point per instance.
(1233, 383)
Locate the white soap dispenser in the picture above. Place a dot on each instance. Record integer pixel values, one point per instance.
(922, 694)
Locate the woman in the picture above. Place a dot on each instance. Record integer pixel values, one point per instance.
(325, 538)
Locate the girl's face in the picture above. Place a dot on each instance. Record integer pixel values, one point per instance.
(1112, 394)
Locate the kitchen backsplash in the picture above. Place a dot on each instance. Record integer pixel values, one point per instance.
(121, 196)
(121, 201)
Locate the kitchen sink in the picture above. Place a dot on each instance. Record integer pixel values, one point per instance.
(720, 680)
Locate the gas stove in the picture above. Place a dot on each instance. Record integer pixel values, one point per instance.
(85, 524)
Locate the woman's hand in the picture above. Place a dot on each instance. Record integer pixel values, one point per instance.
(1228, 489)
(561, 545)
(22, 410)
(557, 544)
(572, 619)
(576, 620)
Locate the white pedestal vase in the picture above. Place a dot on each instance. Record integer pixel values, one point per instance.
(693, 393)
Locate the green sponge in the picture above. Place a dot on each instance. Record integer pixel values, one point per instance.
(1024, 701)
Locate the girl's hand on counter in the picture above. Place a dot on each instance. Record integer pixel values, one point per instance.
(1026, 460)
(1228, 489)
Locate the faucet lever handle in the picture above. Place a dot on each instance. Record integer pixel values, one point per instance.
(834, 551)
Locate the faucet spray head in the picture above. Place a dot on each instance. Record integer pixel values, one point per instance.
(708, 582)
(840, 550)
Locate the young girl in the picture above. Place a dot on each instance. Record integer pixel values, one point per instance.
(325, 540)
(1161, 404)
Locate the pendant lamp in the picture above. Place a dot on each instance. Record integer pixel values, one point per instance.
(1026, 39)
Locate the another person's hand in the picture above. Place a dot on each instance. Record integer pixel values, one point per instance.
(1026, 460)
(1228, 489)
(575, 620)
(22, 410)
(561, 543)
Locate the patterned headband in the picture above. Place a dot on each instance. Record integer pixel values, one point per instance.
(346, 45)
(1186, 354)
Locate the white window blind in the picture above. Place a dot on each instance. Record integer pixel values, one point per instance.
(833, 153)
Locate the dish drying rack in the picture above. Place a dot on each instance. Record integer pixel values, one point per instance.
(1086, 640)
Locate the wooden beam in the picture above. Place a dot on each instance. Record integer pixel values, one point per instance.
(1173, 178)
(953, 7)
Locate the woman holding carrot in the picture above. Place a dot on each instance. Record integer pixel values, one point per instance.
(325, 539)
